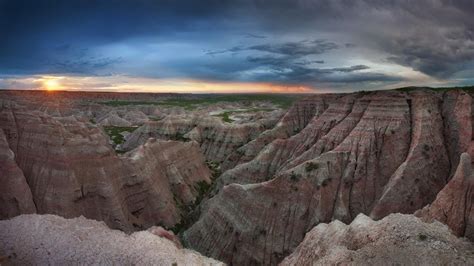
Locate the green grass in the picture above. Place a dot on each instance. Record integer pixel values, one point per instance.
(190, 213)
(283, 101)
(440, 89)
(226, 115)
(154, 118)
(215, 169)
(115, 133)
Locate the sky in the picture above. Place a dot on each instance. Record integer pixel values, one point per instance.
(235, 46)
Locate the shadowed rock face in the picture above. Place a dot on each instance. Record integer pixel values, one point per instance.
(15, 195)
(397, 239)
(374, 154)
(454, 205)
(167, 175)
(72, 171)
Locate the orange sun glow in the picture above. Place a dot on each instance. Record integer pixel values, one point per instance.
(51, 84)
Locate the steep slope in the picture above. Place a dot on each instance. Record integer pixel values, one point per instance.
(281, 151)
(72, 171)
(375, 154)
(296, 119)
(49, 239)
(69, 166)
(15, 195)
(397, 239)
(426, 168)
(454, 205)
(169, 177)
(457, 119)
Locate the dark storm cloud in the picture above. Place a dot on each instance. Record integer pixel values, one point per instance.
(296, 49)
(256, 36)
(31, 30)
(263, 40)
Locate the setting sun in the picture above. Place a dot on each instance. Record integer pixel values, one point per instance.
(51, 84)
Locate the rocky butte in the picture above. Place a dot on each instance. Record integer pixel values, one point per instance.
(360, 178)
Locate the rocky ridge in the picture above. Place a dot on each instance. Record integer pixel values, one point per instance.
(375, 153)
(216, 138)
(454, 205)
(15, 194)
(396, 239)
(71, 170)
(50, 239)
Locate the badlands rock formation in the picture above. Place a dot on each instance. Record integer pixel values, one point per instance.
(15, 195)
(396, 240)
(71, 170)
(169, 176)
(217, 139)
(297, 117)
(454, 205)
(375, 153)
(330, 157)
(53, 240)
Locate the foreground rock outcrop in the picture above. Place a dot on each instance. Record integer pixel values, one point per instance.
(396, 240)
(454, 205)
(53, 240)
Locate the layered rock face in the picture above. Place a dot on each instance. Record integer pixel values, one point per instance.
(53, 240)
(375, 154)
(68, 165)
(281, 151)
(72, 171)
(457, 124)
(15, 194)
(426, 168)
(169, 174)
(297, 117)
(454, 205)
(330, 157)
(217, 139)
(123, 118)
(397, 239)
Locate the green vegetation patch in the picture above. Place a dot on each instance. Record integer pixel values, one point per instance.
(439, 89)
(311, 166)
(215, 169)
(115, 133)
(283, 101)
(422, 237)
(190, 213)
(226, 114)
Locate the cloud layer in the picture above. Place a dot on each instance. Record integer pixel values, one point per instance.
(321, 43)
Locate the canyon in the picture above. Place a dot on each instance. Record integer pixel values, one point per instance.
(356, 178)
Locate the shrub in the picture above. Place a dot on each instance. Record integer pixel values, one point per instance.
(293, 177)
(422, 237)
(311, 166)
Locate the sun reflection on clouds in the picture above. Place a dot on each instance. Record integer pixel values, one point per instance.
(50, 83)
(121, 83)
